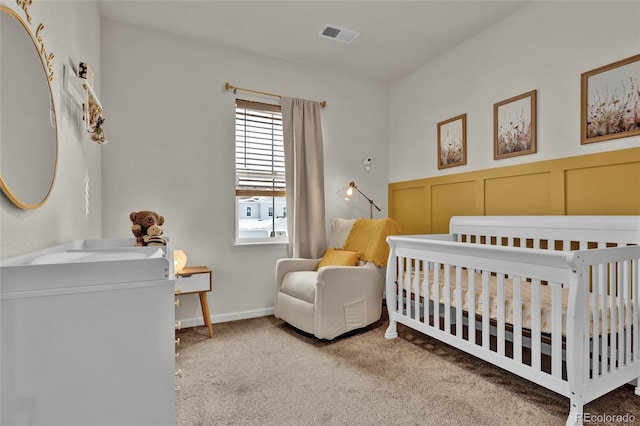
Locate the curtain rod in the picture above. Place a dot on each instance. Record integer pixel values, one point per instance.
(229, 86)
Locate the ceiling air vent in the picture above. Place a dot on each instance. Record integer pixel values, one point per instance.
(341, 34)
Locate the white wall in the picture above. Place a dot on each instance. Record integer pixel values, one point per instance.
(543, 46)
(171, 150)
(73, 211)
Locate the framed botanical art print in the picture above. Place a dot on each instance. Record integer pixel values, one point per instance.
(610, 101)
(452, 142)
(514, 126)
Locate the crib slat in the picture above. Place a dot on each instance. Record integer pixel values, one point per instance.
(536, 350)
(418, 287)
(436, 295)
(501, 314)
(471, 303)
(604, 326)
(612, 317)
(485, 310)
(620, 308)
(400, 286)
(586, 373)
(413, 294)
(411, 274)
(415, 290)
(427, 291)
(595, 323)
(627, 308)
(517, 319)
(405, 281)
(556, 330)
(459, 304)
(407, 286)
(635, 269)
(419, 273)
(447, 298)
(406, 306)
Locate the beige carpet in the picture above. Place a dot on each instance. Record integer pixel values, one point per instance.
(263, 372)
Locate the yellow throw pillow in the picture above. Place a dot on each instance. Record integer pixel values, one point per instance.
(338, 257)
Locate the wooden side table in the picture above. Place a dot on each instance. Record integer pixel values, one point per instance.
(197, 279)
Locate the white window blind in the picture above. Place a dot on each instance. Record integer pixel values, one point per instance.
(259, 150)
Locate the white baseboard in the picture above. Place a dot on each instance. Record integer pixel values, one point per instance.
(234, 316)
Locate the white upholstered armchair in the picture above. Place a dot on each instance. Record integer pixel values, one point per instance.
(333, 300)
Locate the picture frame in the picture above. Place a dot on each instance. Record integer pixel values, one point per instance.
(515, 126)
(452, 142)
(610, 101)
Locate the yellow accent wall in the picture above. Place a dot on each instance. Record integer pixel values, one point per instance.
(603, 183)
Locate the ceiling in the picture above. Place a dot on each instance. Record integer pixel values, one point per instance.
(396, 37)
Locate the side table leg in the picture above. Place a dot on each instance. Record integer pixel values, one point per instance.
(205, 312)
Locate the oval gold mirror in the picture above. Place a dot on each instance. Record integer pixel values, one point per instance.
(28, 121)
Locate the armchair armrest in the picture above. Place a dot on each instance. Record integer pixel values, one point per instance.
(350, 280)
(286, 265)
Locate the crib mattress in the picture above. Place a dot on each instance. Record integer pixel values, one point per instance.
(526, 299)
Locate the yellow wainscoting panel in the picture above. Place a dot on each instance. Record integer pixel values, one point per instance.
(458, 197)
(618, 188)
(518, 195)
(412, 214)
(602, 183)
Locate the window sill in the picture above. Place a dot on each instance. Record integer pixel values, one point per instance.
(269, 245)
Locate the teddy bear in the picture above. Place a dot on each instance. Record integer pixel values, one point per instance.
(153, 237)
(142, 220)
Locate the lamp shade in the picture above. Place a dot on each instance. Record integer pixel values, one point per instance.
(351, 192)
(348, 193)
(179, 260)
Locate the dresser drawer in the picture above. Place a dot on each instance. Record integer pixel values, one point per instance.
(192, 283)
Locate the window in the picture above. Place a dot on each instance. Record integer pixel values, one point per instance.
(260, 178)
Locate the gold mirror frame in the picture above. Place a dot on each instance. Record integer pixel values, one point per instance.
(46, 59)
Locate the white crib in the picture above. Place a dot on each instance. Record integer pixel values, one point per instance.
(549, 298)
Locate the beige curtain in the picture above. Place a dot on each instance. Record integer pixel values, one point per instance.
(304, 163)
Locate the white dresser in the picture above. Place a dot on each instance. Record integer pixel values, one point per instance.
(87, 336)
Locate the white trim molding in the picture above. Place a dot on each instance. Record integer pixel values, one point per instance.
(233, 316)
